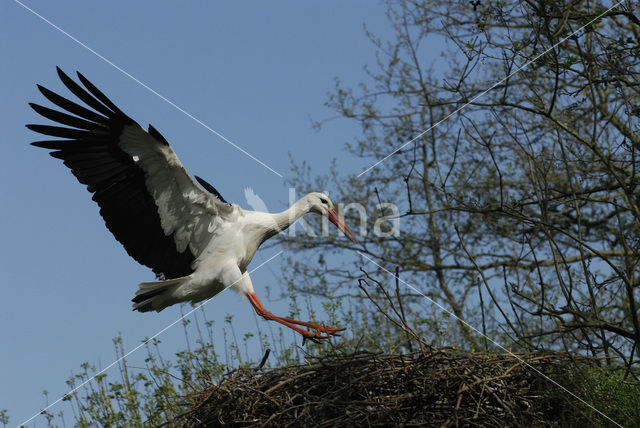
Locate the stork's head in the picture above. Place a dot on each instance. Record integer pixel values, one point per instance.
(320, 203)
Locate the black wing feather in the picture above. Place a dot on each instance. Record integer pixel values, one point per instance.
(81, 93)
(158, 136)
(72, 107)
(63, 118)
(59, 131)
(90, 149)
(209, 188)
(97, 93)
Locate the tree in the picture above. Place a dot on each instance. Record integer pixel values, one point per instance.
(518, 196)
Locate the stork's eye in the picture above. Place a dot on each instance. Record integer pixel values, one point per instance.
(324, 201)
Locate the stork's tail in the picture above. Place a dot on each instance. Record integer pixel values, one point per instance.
(157, 295)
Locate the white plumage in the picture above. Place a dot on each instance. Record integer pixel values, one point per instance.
(183, 229)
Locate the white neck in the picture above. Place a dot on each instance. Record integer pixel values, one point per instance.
(281, 221)
(266, 225)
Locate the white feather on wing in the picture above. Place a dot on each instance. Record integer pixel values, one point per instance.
(186, 210)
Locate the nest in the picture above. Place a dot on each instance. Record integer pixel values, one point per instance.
(429, 388)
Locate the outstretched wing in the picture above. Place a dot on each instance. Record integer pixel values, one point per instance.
(147, 199)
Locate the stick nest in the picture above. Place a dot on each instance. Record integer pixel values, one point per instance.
(430, 388)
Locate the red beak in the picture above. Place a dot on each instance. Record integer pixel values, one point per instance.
(340, 224)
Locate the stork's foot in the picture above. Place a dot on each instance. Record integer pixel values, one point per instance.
(321, 332)
(318, 335)
(313, 337)
(332, 331)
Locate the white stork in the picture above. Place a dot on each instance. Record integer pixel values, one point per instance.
(196, 243)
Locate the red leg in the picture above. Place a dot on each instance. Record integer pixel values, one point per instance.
(260, 310)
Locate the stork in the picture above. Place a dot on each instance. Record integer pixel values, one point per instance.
(195, 242)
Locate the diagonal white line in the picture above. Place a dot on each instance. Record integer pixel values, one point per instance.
(149, 89)
(144, 342)
(526, 64)
(448, 312)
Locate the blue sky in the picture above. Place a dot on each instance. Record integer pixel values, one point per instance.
(255, 72)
